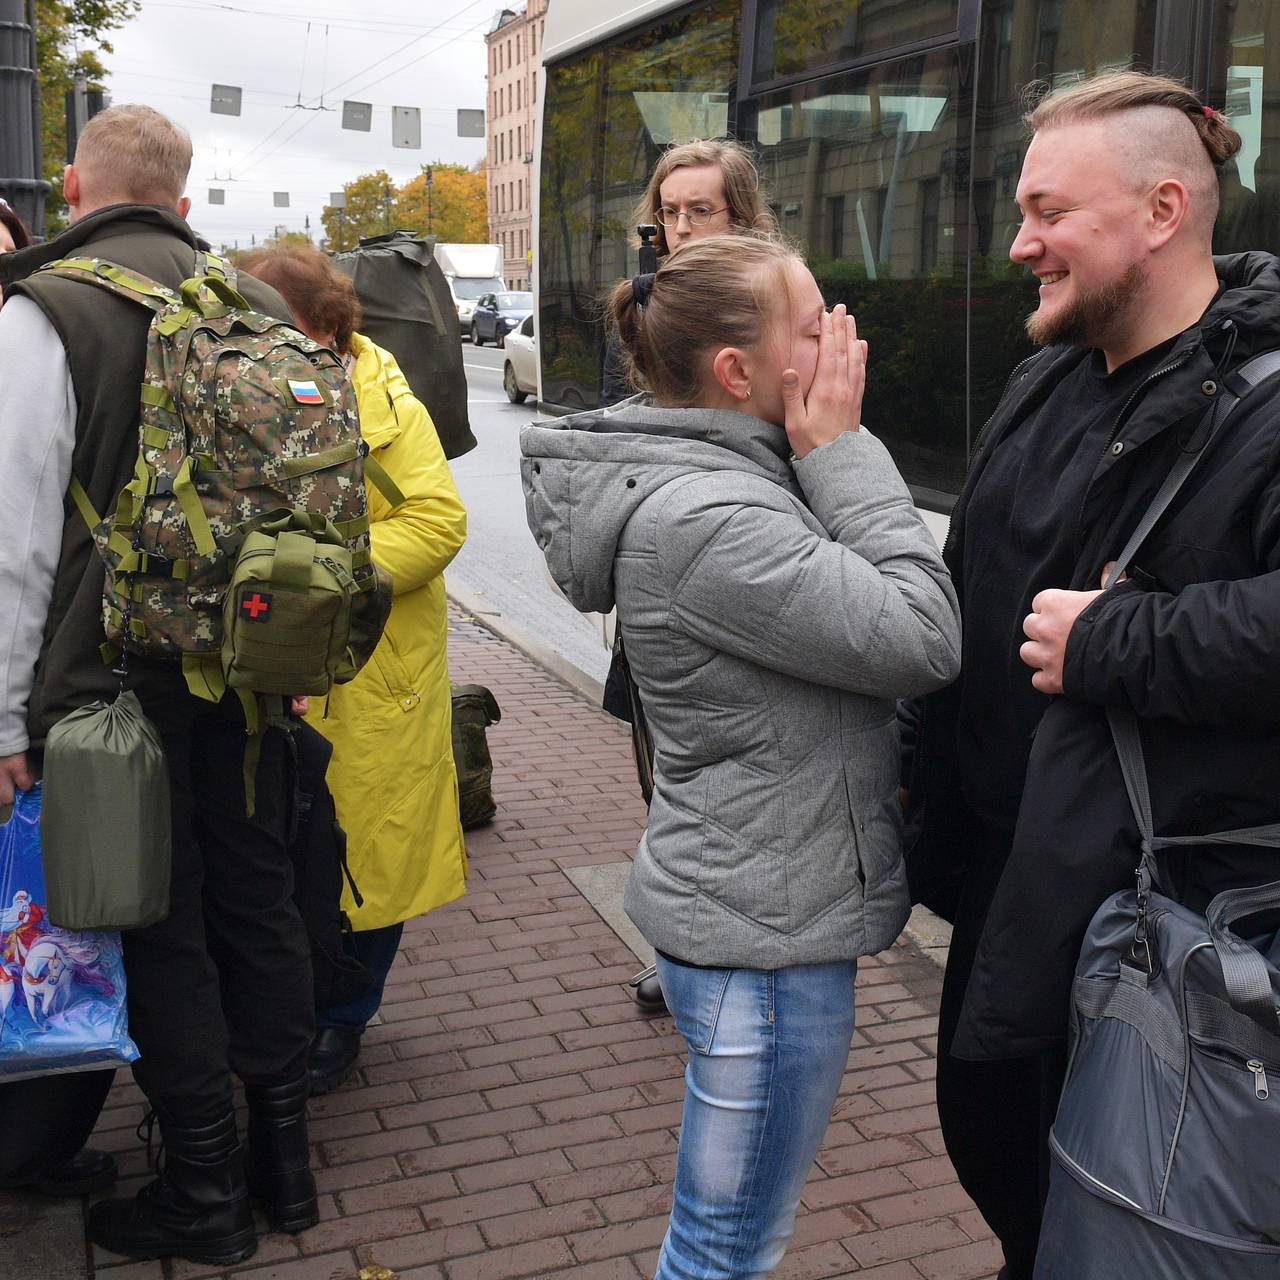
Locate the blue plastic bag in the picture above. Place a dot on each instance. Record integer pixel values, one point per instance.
(62, 1002)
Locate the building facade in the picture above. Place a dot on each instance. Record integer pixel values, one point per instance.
(513, 42)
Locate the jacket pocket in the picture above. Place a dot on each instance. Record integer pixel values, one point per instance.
(394, 673)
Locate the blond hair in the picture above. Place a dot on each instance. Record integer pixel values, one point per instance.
(719, 291)
(1167, 132)
(1115, 91)
(748, 210)
(134, 153)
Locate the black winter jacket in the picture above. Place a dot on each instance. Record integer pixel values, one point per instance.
(1192, 639)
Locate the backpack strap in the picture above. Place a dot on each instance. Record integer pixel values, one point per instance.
(132, 285)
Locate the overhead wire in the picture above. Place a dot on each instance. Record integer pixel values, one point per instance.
(247, 167)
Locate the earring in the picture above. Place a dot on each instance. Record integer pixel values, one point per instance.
(748, 395)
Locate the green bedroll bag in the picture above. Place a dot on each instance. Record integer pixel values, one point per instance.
(474, 710)
(104, 823)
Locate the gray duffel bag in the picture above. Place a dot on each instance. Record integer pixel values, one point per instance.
(1166, 1146)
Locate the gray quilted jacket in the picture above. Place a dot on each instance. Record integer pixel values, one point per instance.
(772, 616)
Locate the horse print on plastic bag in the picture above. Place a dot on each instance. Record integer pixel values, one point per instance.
(62, 1005)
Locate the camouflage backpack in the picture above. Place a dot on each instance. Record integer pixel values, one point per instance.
(241, 544)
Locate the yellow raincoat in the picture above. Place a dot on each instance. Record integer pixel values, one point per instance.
(392, 774)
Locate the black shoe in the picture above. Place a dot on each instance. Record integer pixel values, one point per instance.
(86, 1172)
(649, 997)
(333, 1055)
(198, 1208)
(278, 1164)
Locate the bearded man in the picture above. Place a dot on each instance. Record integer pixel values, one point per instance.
(1015, 781)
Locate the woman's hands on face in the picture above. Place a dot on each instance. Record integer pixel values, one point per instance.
(834, 402)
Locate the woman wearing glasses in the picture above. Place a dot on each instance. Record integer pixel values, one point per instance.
(707, 187)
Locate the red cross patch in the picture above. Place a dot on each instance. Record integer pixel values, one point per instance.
(256, 607)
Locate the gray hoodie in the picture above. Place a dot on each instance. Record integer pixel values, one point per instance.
(772, 616)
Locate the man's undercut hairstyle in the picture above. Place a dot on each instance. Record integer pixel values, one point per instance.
(133, 153)
(718, 291)
(748, 209)
(1168, 131)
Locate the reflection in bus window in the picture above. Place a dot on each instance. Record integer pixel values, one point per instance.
(886, 152)
(794, 36)
(1054, 42)
(1244, 82)
(608, 117)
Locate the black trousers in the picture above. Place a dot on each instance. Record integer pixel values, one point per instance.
(224, 983)
(995, 1115)
(45, 1121)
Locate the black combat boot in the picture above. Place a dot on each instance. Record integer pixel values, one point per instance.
(198, 1208)
(279, 1160)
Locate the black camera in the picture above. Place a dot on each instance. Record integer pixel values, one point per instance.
(648, 232)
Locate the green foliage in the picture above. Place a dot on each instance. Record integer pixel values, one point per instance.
(459, 207)
(70, 36)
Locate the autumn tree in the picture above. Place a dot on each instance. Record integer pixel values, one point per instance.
(458, 210)
(70, 37)
(371, 210)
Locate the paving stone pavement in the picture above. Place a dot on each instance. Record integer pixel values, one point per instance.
(514, 1116)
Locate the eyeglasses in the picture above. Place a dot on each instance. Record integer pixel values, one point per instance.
(699, 215)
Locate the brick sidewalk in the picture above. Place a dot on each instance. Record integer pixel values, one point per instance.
(515, 1116)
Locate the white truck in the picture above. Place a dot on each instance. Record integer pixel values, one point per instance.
(471, 270)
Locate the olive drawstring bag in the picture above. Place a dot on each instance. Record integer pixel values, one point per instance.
(104, 824)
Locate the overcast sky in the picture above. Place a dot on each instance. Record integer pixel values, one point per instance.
(411, 53)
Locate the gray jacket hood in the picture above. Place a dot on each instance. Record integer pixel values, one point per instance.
(596, 468)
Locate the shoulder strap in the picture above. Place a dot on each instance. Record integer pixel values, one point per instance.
(1245, 974)
(132, 285)
(1251, 373)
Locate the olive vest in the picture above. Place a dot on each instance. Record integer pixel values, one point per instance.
(105, 338)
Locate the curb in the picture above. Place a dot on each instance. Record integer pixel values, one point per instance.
(930, 933)
(480, 609)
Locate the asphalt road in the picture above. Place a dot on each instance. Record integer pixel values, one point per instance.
(500, 571)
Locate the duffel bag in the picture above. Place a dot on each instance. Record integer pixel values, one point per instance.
(1164, 1148)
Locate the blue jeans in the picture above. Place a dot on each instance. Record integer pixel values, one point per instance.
(377, 949)
(767, 1050)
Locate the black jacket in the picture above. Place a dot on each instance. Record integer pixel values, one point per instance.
(1192, 639)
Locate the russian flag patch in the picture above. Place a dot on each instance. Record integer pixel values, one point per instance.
(305, 392)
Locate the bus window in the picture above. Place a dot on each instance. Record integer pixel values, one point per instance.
(1244, 82)
(869, 173)
(795, 36)
(608, 116)
(665, 86)
(1021, 41)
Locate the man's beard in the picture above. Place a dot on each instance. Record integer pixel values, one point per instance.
(1094, 316)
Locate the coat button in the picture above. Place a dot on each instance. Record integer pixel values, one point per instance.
(1209, 387)
(631, 484)
(1117, 449)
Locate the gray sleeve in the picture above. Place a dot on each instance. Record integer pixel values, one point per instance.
(870, 608)
(37, 439)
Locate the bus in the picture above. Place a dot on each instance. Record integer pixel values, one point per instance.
(890, 137)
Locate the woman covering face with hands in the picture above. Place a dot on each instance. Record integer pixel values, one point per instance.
(778, 592)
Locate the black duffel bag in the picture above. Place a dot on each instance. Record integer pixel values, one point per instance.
(408, 310)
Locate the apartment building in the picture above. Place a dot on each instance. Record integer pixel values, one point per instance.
(514, 41)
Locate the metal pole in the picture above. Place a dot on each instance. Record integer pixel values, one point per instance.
(20, 159)
(430, 183)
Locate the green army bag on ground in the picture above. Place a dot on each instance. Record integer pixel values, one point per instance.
(474, 710)
(104, 824)
(248, 434)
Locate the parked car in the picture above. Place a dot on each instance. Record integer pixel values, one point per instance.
(520, 369)
(496, 314)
